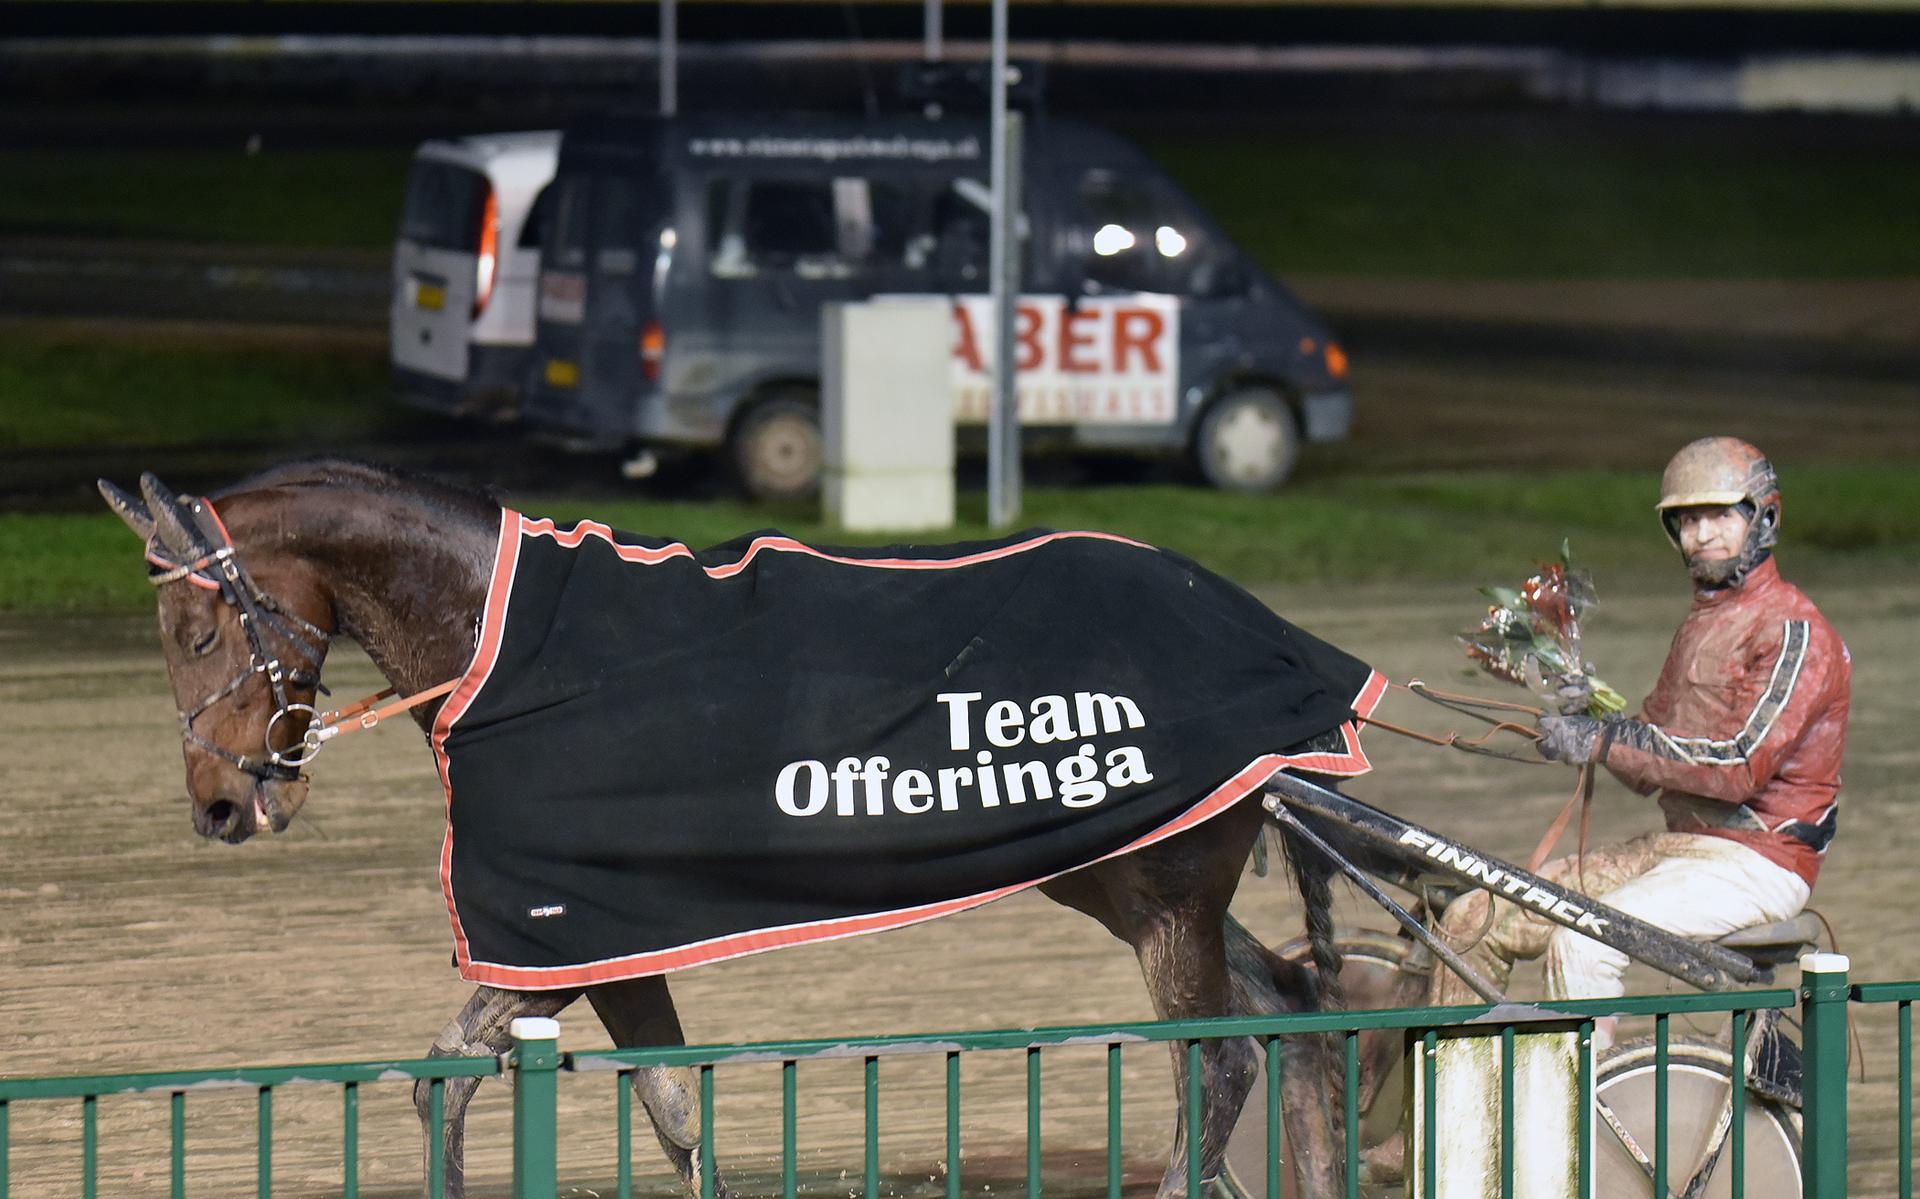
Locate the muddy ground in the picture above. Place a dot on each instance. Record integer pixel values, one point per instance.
(127, 944)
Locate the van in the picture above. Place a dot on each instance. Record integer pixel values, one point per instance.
(465, 265)
(688, 258)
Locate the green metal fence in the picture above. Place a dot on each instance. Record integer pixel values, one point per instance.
(178, 1085)
(536, 1062)
(1901, 996)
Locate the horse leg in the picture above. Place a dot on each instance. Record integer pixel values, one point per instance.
(480, 1028)
(1169, 901)
(640, 1012)
(1183, 959)
(1266, 984)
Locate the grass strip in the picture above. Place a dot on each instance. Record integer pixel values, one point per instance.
(64, 392)
(334, 199)
(1493, 523)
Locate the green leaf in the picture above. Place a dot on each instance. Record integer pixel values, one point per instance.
(1506, 597)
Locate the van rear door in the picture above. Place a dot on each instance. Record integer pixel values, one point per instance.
(449, 232)
(598, 301)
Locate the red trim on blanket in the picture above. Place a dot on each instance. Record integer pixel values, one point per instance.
(652, 556)
(1348, 761)
(486, 650)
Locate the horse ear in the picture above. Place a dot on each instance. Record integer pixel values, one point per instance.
(127, 508)
(174, 534)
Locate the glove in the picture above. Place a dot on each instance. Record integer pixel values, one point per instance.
(1568, 739)
(1573, 697)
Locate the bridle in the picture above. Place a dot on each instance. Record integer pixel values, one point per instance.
(217, 567)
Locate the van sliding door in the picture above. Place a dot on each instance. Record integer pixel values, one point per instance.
(777, 249)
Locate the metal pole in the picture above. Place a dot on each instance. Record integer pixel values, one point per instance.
(1003, 252)
(1824, 994)
(669, 57)
(930, 44)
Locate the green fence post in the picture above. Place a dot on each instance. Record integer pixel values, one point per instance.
(1823, 1016)
(536, 1095)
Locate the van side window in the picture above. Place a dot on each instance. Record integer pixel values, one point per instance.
(815, 228)
(1141, 237)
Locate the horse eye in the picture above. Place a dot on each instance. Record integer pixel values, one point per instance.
(205, 641)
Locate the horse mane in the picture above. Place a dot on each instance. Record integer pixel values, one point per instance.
(355, 475)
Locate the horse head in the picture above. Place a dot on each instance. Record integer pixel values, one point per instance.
(244, 626)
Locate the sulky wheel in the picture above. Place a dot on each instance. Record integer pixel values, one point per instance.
(1248, 440)
(1699, 1073)
(777, 448)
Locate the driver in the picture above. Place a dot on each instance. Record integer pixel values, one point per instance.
(1740, 743)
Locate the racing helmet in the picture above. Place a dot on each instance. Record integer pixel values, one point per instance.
(1725, 471)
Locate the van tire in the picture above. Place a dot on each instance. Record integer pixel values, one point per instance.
(777, 448)
(1247, 440)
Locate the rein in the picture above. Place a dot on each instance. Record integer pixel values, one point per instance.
(1478, 707)
(218, 568)
(327, 725)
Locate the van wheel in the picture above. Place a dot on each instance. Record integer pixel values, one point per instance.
(1248, 440)
(777, 449)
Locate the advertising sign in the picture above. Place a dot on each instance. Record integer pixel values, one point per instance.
(1104, 361)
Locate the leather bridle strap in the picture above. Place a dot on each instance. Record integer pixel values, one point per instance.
(217, 567)
(364, 715)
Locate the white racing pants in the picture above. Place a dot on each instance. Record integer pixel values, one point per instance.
(1691, 885)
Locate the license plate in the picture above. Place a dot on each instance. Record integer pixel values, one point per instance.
(429, 297)
(563, 297)
(562, 373)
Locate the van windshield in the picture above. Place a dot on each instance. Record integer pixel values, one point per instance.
(445, 205)
(1143, 236)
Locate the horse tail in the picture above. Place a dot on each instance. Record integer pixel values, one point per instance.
(1313, 875)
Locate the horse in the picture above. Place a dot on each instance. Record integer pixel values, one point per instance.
(253, 590)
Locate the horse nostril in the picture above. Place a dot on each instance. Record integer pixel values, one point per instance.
(219, 812)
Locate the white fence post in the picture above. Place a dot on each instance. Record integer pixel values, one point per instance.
(1467, 1067)
(887, 414)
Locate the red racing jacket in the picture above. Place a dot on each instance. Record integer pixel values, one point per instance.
(1742, 735)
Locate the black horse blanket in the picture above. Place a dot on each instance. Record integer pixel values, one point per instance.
(661, 758)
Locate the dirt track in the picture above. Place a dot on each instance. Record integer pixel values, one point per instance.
(128, 944)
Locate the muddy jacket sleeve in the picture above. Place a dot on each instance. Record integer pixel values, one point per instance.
(1743, 719)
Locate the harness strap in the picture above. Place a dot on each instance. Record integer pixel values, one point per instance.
(370, 716)
(327, 725)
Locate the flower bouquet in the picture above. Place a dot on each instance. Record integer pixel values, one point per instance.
(1531, 637)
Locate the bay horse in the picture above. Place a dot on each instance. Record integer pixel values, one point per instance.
(251, 594)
